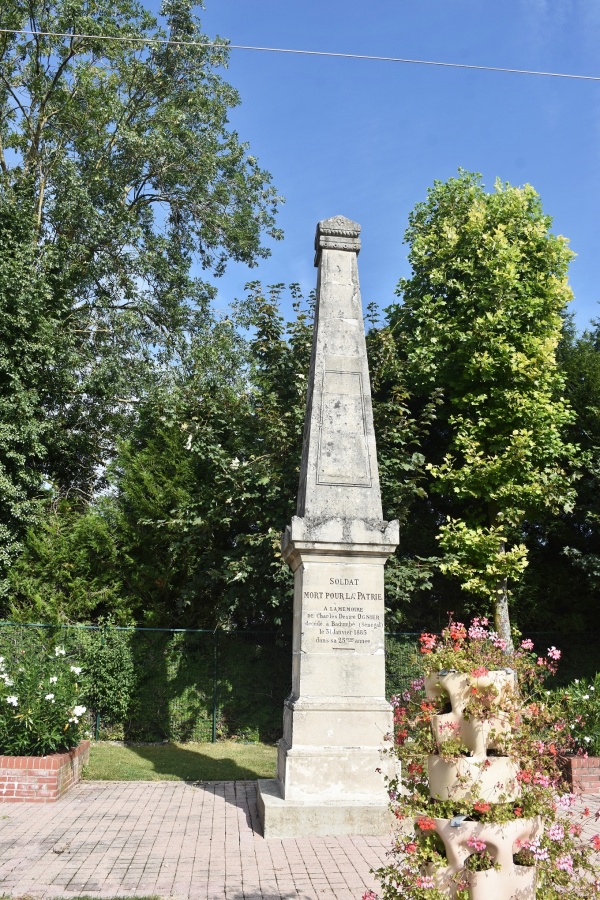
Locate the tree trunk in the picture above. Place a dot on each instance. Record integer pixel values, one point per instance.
(501, 615)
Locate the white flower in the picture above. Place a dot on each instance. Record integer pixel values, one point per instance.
(587, 739)
(14, 701)
(49, 697)
(586, 697)
(592, 688)
(234, 464)
(577, 681)
(53, 679)
(79, 710)
(7, 681)
(74, 719)
(76, 669)
(59, 651)
(1, 660)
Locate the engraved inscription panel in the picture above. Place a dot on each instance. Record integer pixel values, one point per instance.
(342, 612)
(343, 449)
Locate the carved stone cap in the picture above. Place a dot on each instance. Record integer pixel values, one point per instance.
(337, 233)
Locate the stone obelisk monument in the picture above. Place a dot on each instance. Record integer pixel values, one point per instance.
(336, 717)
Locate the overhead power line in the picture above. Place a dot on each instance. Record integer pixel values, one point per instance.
(365, 56)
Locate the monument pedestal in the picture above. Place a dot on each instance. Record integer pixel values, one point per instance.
(331, 761)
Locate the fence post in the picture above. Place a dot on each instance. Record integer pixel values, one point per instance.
(102, 644)
(215, 680)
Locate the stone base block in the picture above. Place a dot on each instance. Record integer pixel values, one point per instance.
(318, 818)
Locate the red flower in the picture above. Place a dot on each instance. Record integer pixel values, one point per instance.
(481, 806)
(425, 823)
(428, 642)
(596, 841)
(458, 632)
(518, 811)
(410, 847)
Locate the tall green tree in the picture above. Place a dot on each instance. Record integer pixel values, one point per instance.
(564, 550)
(28, 336)
(118, 161)
(201, 488)
(480, 321)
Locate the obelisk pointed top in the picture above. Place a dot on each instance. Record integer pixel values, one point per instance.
(337, 233)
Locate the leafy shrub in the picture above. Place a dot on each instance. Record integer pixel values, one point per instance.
(108, 673)
(579, 704)
(40, 711)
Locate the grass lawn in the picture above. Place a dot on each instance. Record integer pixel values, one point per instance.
(223, 761)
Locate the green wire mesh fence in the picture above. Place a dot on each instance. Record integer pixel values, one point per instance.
(152, 685)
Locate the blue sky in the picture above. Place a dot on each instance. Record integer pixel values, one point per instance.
(366, 139)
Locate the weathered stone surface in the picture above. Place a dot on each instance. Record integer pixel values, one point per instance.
(338, 474)
(330, 763)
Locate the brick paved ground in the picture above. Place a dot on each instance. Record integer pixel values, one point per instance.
(174, 840)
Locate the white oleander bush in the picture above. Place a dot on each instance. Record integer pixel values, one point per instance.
(40, 709)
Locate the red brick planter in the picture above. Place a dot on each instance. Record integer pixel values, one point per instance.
(41, 779)
(583, 773)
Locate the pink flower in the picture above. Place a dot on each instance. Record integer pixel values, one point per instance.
(540, 746)
(542, 780)
(539, 853)
(479, 672)
(499, 642)
(478, 630)
(527, 644)
(565, 863)
(565, 801)
(425, 881)
(556, 832)
(476, 844)
(369, 895)
(553, 653)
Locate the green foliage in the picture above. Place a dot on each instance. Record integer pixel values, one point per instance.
(108, 676)
(480, 321)
(401, 432)
(28, 330)
(565, 551)
(72, 569)
(118, 172)
(208, 479)
(579, 705)
(39, 701)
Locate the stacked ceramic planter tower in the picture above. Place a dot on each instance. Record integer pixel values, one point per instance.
(485, 775)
